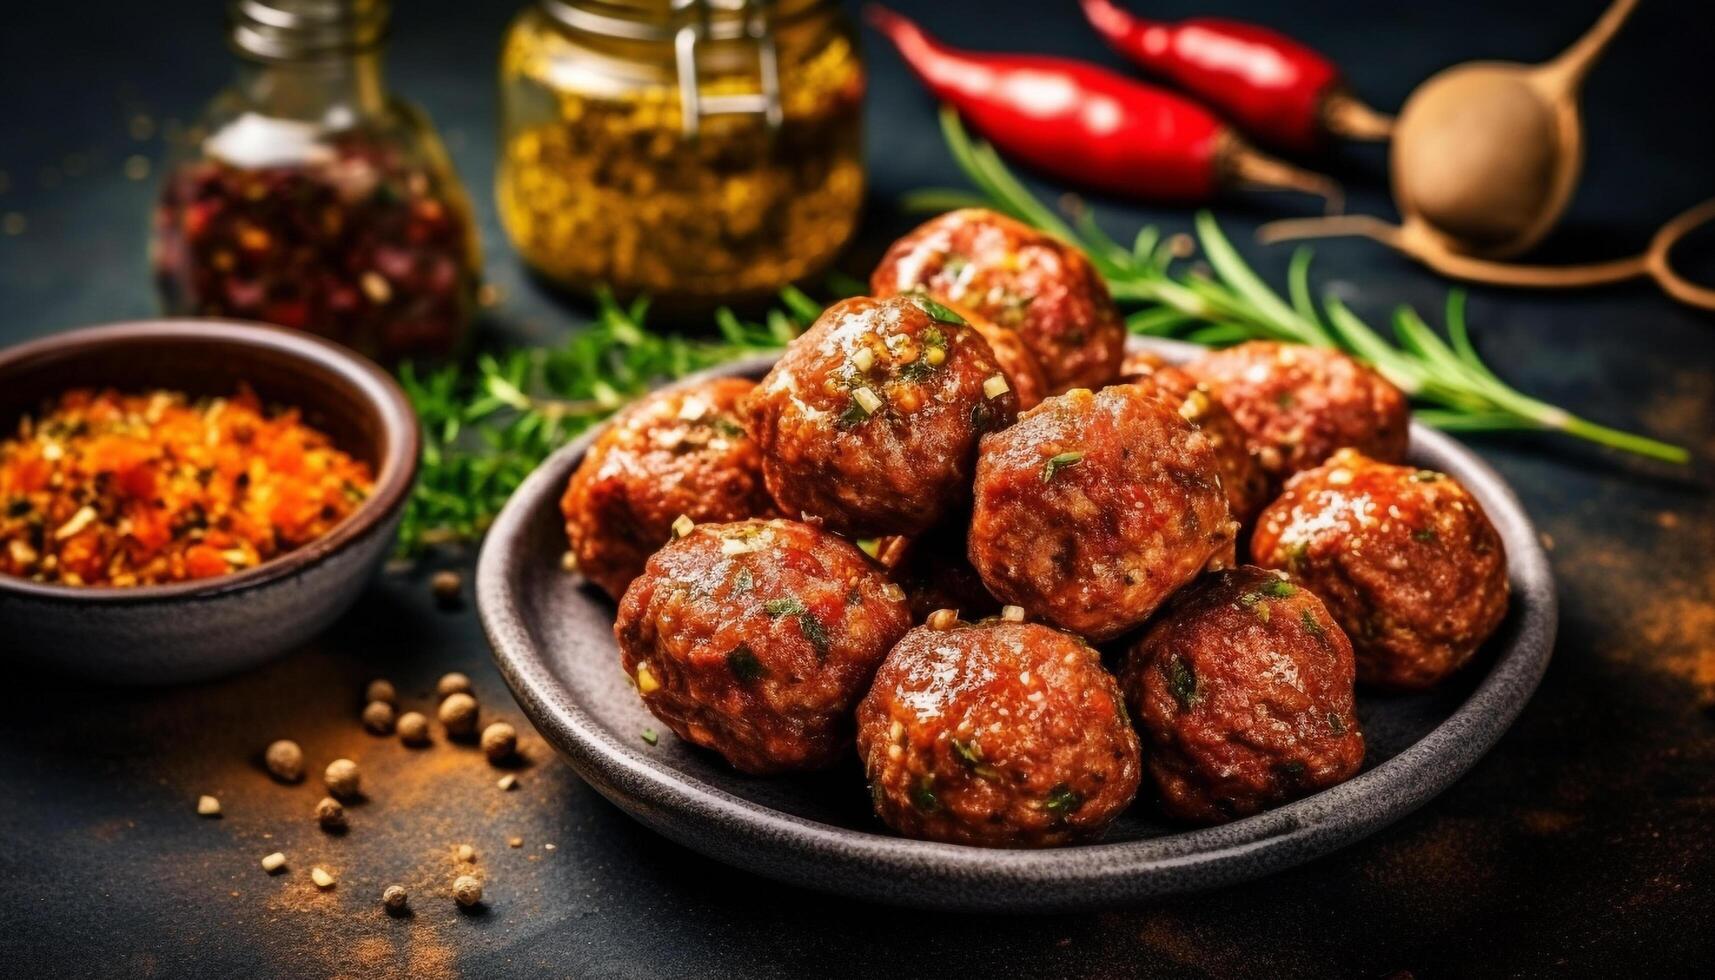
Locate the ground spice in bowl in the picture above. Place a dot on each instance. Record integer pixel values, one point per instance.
(104, 488)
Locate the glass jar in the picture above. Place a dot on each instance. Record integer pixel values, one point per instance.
(698, 151)
(308, 197)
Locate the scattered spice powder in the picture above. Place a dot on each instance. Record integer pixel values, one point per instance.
(125, 490)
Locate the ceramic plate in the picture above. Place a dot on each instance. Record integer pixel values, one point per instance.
(553, 639)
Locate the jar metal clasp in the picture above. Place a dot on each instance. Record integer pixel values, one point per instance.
(758, 30)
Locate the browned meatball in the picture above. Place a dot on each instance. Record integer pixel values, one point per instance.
(999, 734)
(936, 573)
(672, 453)
(1243, 688)
(1095, 507)
(757, 638)
(1021, 279)
(1013, 355)
(1242, 478)
(1298, 404)
(868, 424)
(1405, 558)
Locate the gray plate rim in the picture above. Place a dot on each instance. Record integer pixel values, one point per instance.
(875, 866)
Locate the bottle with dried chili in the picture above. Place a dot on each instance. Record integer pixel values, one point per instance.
(699, 151)
(309, 197)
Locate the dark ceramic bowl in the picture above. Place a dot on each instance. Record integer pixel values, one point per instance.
(166, 634)
(554, 642)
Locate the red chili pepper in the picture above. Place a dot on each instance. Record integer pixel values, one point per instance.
(1089, 125)
(1269, 85)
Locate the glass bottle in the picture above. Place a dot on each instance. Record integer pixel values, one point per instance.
(699, 151)
(311, 198)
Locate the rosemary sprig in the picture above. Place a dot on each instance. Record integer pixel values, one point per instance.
(485, 428)
(1452, 386)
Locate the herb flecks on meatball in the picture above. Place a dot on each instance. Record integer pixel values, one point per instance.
(1022, 280)
(868, 424)
(757, 638)
(1405, 558)
(999, 734)
(680, 453)
(1299, 404)
(1095, 507)
(1242, 475)
(1243, 689)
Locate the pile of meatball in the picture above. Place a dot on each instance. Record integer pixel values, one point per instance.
(912, 535)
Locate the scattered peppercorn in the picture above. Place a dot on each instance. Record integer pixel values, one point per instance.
(514, 842)
(467, 891)
(274, 862)
(330, 814)
(342, 778)
(446, 586)
(451, 684)
(380, 689)
(413, 728)
(322, 879)
(285, 760)
(395, 899)
(208, 806)
(499, 741)
(458, 714)
(378, 717)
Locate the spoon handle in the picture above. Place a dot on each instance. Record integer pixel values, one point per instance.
(1565, 73)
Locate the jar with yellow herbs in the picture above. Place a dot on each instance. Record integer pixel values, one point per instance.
(307, 196)
(698, 151)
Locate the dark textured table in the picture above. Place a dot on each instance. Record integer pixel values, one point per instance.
(1583, 844)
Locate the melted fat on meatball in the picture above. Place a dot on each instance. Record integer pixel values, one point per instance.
(999, 734)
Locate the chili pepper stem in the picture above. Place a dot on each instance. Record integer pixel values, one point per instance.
(1251, 168)
(1346, 115)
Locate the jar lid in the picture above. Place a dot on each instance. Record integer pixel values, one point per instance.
(661, 20)
(279, 30)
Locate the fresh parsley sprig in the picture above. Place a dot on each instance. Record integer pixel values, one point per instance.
(1452, 386)
(486, 427)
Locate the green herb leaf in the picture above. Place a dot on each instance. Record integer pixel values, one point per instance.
(743, 581)
(1425, 535)
(816, 633)
(936, 310)
(744, 665)
(1063, 800)
(1425, 476)
(789, 606)
(1057, 463)
(650, 736)
(1310, 624)
(854, 415)
(1279, 588)
(922, 795)
(1181, 681)
(969, 752)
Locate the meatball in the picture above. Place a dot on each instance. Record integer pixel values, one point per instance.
(868, 424)
(1242, 477)
(936, 573)
(1013, 355)
(672, 453)
(756, 639)
(1095, 507)
(1021, 279)
(1298, 404)
(1405, 558)
(999, 734)
(1243, 688)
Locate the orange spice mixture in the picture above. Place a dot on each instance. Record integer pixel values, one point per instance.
(111, 489)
